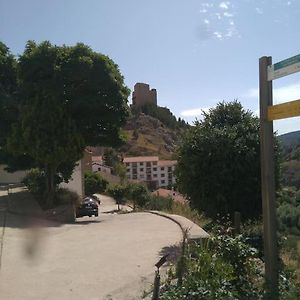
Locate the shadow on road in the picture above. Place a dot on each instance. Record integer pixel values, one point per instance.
(86, 222)
(173, 251)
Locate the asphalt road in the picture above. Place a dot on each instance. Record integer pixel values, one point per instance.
(109, 257)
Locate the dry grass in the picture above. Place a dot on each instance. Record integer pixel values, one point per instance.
(186, 211)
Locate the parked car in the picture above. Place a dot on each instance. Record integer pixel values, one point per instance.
(96, 198)
(88, 207)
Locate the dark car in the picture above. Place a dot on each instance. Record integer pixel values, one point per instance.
(88, 207)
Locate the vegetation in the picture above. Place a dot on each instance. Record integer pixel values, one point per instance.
(94, 183)
(163, 114)
(225, 267)
(65, 98)
(35, 182)
(219, 162)
(159, 203)
(138, 194)
(118, 192)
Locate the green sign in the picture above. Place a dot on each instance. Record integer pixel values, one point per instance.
(284, 67)
(287, 62)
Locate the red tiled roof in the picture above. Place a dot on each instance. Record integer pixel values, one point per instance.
(97, 159)
(140, 159)
(177, 197)
(167, 163)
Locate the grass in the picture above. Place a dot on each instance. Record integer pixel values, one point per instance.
(290, 254)
(186, 211)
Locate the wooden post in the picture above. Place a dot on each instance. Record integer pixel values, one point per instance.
(156, 286)
(268, 181)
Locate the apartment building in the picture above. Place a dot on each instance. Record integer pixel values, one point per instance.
(155, 172)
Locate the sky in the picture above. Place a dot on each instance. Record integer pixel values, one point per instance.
(195, 53)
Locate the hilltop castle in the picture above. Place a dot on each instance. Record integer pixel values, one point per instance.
(143, 95)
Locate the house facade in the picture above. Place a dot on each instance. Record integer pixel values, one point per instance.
(157, 173)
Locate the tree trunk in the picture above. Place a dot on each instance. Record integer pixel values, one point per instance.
(50, 185)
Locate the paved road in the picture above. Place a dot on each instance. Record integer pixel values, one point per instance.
(96, 257)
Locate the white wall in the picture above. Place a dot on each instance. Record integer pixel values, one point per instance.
(6, 177)
(76, 183)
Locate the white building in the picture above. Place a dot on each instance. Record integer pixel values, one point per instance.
(99, 166)
(150, 169)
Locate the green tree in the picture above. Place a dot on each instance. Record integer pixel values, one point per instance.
(118, 192)
(110, 157)
(94, 183)
(219, 162)
(72, 97)
(9, 109)
(138, 193)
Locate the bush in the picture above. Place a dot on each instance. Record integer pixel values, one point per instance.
(118, 192)
(65, 196)
(223, 268)
(94, 183)
(138, 193)
(35, 181)
(159, 203)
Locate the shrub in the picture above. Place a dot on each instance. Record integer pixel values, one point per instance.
(94, 183)
(35, 181)
(159, 203)
(138, 193)
(65, 196)
(118, 192)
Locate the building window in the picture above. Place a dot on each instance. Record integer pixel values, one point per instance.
(134, 165)
(142, 176)
(154, 169)
(169, 169)
(141, 164)
(99, 169)
(162, 175)
(141, 169)
(162, 168)
(162, 182)
(134, 176)
(148, 164)
(154, 175)
(155, 163)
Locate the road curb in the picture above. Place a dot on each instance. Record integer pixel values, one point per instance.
(183, 228)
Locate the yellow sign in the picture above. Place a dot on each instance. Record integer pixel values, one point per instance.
(284, 110)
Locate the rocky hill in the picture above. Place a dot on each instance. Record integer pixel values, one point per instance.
(148, 136)
(291, 158)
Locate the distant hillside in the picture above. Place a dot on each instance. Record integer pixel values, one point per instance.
(290, 139)
(149, 136)
(291, 158)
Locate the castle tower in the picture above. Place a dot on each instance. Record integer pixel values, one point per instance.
(143, 95)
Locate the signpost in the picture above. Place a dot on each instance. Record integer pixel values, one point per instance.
(284, 68)
(268, 113)
(284, 110)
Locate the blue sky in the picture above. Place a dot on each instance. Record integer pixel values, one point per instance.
(195, 53)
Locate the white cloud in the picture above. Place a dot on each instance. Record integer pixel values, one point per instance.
(227, 14)
(194, 112)
(259, 10)
(283, 94)
(224, 5)
(218, 35)
(206, 21)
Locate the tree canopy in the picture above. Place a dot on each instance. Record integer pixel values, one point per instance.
(69, 97)
(219, 162)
